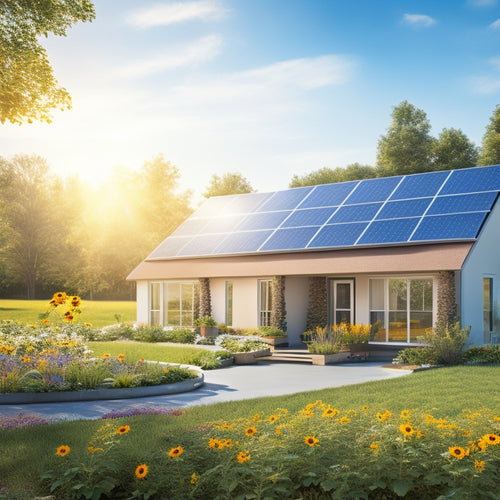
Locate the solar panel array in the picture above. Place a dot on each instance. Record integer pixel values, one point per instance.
(429, 207)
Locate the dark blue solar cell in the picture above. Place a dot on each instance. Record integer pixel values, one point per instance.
(406, 208)
(169, 247)
(388, 231)
(245, 242)
(420, 185)
(309, 217)
(329, 195)
(290, 239)
(449, 227)
(477, 202)
(202, 245)
(259, 220)
(355, 213)
(473, 180)
(190, 227)
(223, 224)
(373, 190)
(247, 203)
(338, 235)
(285, 200)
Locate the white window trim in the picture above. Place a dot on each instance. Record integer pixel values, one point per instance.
(259, 288)
(162, 311)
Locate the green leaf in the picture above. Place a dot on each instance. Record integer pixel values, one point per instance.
(400, 487)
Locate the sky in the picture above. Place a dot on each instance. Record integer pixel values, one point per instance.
(266, 88)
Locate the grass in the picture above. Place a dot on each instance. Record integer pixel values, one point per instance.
(99, 313)
(445, 392)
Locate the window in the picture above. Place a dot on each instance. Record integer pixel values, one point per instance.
(229, 303)
(265, 302)
(403, 306)
(488, 306)
(341, 301)
(172, 303)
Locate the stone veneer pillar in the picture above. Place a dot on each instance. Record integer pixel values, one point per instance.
(205, 298)
(317, 309)
(278, 305)
(446, 299)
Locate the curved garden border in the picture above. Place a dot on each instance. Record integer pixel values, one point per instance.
(100, 394)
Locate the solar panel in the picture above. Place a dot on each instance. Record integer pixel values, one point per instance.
(428, 207)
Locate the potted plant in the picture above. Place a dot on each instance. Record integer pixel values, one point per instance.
(207, 326)
(273, 336)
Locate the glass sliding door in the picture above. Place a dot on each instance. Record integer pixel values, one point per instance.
(341, 301)
(172, 303)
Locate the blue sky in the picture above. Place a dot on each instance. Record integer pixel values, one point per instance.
(268, 88)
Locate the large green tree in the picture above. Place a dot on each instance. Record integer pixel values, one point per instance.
(28, 89)
(490, 150)
(228, 183)
(325, 175)
(407, 147)
(454, 150)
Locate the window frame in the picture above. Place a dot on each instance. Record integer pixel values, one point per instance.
(265, 313)
(163, 312)
(488, 311)
(229, 313)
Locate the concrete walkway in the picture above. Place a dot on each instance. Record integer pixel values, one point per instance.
(227, 384)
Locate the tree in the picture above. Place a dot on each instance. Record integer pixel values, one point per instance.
(28, 88)
(325, 175)
(453, 150)
(407, 147)
(229, 183)
(490, 150)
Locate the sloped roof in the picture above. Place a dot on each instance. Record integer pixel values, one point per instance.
(434, 207)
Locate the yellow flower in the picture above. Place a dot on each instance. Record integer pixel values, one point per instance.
(256, 417)
(123, 429)
(166, 371)
(105, 356)
(88, 324)
(405, 414)
(175, 452)
(374, 446)
(141, 471)
(45, 321)
(382, 417)
(273, 418)
(491, 439)
(345, 420)
(457, 452)
(479, 465)
(194, 478)
(62, 450)
(228, 443)
(243, 456)
(420, 434)
(481, 444)
(120, 357)
(59, 298)
(68, 317)
(226, 426)
(75, 301)
(330, 412)
(215, 444)
(365, 408)
(250, 431)
(406, 429)
(311, 441)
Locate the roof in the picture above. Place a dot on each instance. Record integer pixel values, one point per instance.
(434, 207)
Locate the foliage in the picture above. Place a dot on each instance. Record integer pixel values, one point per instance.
(271, 331)
(235, 345)
(318, 451)
(29, 90)
(325, 175)
(326, 340)
(482, 354)
(490, 150)
(229, 183)
(146, 333)
(205, 321)
(453, 150)
(448, 341)
(418, 356)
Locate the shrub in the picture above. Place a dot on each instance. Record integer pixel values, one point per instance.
(271, 331)
(418, 356)
(235, 345)
(326, 340)
(448, 342)
(482, 354)
(148, 333)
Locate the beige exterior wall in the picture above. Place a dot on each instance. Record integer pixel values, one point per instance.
(142, 301)
(296, 298)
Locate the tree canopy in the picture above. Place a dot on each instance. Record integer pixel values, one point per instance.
(327, 175)
(28, 89)
(490, 150)
(453, 150)
(229, 183)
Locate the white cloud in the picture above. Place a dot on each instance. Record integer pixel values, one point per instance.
(483, 3)
(201, 50)
(164, 15)
(485, 84)
(495, 25)
(418, 20)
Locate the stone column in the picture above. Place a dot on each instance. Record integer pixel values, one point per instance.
(205, 298)
(446, 299)
(278, 305)
(317, 310)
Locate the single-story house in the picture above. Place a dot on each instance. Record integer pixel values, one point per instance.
(408, 251)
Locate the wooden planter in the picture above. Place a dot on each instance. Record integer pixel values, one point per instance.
(359, 349)
(250, 358)
(209, 331)
(275, 341)
(328, 359)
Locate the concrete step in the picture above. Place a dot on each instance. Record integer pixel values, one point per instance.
(289, 355)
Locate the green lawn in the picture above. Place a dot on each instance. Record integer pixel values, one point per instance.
(444, 393)
(99, 313)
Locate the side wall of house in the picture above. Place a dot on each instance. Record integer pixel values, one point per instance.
(297, 299)
(142, 295)
(483, 261)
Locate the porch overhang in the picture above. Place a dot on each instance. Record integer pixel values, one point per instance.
(395, 259)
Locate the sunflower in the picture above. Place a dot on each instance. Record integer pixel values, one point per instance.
(481, 444)
(491, 438)
(120, 357)
(250, 431)
(228, 443)
(405, 414)
(457, 452)
(175, 452)
(194, 478)
(105, 356)
(273, 418)
(243, 456)
(75, 301)
(59, 298)
(123, 429)
(345, 420)
(311, 441)
(88, 324)
(365, 408)
(330, 412)
(215, 444)
(374, 446)
(406, 429)
(62, 450)
(479, 465)
(256, 417)
(68, 317)
(141, 471)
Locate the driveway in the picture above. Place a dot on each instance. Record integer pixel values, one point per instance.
(227, 384)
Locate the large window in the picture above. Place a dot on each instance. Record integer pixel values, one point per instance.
(404, 307)
(229, 303)
(265, 302)
(487, 307)
(172, 303)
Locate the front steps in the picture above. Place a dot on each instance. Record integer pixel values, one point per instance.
(288, 356)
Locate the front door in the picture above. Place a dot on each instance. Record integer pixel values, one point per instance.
(341, 301)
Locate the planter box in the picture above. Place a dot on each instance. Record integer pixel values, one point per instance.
(327, 359)
(250, 358)
(209, 331)
(275, 341)
(361, 348)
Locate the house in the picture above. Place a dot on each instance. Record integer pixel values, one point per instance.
(407, 250)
